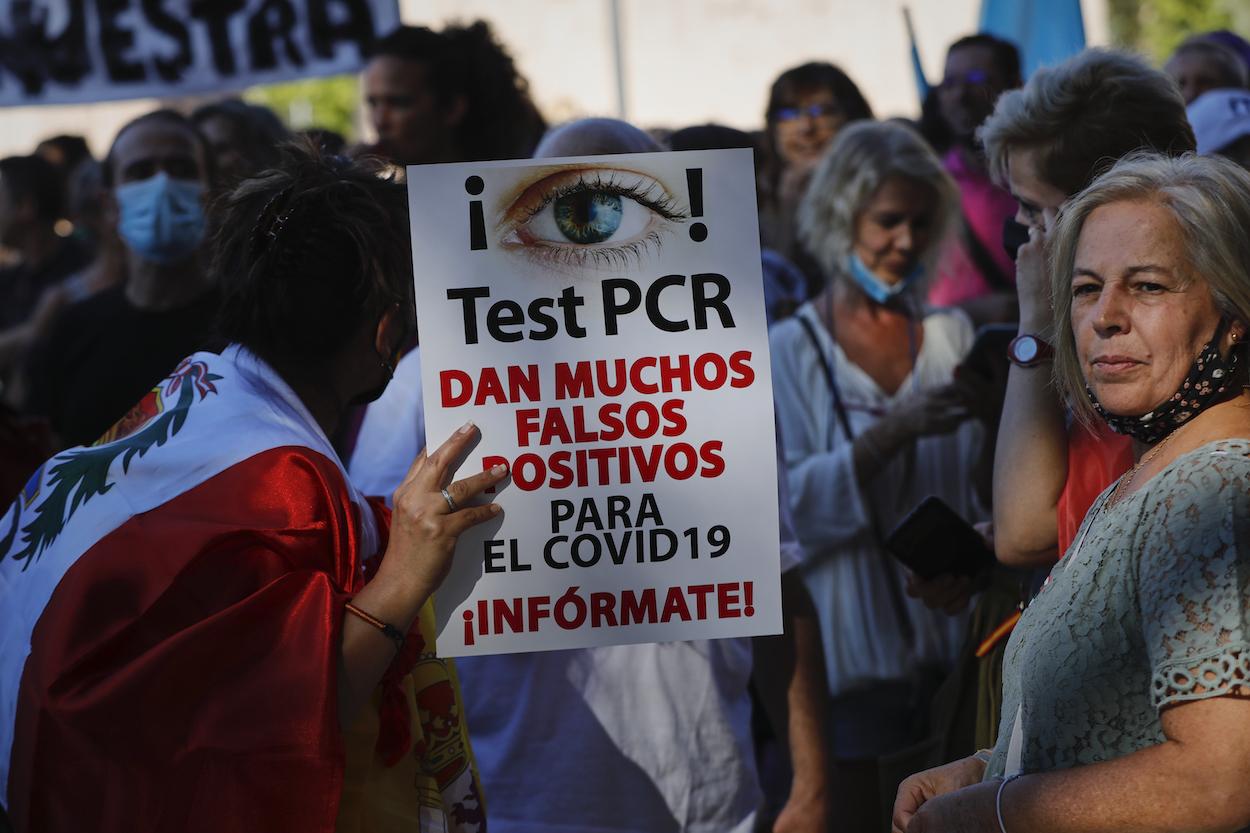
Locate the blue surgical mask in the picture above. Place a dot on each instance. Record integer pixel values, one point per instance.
(162, 219)
(874, 287)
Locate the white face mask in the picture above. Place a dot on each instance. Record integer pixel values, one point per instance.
(162, 219)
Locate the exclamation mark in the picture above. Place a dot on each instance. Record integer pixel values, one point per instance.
(748, 598)
(468, 627)
(694, 185)
(477, 225)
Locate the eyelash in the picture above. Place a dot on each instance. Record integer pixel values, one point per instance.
(619, 255)
(666, 206)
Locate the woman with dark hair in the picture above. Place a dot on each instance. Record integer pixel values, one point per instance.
(807, 106)
(244, 138)
(449, 96)
(195, 610)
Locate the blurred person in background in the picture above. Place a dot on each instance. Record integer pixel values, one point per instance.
(1234, 42)
(95, 230)
(1221, 122)
(975, 271)
(243, 138)
(1047, 142)
(1202, 63)
(102, 354)
(785, 287)
(64, 152)
(448, 96)
(31, 202)
(873, 421)
(67, 154)
(654, 737)
(807, 106)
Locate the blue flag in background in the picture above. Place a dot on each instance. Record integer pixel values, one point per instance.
(922, 83)
(1046, 31)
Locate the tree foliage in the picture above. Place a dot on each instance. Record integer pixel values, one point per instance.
(331, 103)
(1155, 27)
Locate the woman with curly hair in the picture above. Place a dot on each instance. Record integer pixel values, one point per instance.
(449, 96)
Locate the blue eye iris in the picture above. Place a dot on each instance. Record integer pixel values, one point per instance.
(588, 216)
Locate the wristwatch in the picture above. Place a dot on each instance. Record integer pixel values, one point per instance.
(1027, 350)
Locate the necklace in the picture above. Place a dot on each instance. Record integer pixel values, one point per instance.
(1128, 478)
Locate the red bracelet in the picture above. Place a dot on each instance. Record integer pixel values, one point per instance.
(389, 631)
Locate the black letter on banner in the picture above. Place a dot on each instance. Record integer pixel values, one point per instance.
(115, 41)
(216, 14)
(358, 27)
(32, 56)
(273, 21)
(169, 69)
(67, 53)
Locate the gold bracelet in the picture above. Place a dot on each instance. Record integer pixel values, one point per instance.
(389, 631)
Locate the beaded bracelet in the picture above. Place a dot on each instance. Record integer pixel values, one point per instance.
(389, 631)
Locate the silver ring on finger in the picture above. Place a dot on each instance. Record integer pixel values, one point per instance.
(451, 504)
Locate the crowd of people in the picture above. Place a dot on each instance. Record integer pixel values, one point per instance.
(1031, 302)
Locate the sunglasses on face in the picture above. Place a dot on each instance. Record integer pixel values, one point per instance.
(813, 111)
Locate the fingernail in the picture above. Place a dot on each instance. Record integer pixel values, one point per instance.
(499, 469)
(495, 508)
(467, 427)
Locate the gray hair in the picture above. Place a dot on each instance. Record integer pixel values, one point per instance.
(1086, 113)
(858, 162)
(1208, 196)
(594, 137)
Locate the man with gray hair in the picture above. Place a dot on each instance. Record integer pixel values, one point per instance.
(1048, 141)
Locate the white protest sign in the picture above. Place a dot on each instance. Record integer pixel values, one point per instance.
(63, 52)
(602, 321)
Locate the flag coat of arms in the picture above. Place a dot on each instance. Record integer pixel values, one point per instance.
(171, 600)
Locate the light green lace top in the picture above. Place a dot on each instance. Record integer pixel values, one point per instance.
(1149, 607)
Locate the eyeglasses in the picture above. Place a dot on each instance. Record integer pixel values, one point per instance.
(813, 111)
(971, 78)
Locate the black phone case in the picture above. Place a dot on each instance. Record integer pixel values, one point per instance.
(933, 540)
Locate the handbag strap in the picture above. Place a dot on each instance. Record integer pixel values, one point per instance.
(838, 407)
(906, 627)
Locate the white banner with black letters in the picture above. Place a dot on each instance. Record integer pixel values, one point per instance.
(79, 51)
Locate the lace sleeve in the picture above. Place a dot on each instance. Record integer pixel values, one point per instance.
(1194, 579)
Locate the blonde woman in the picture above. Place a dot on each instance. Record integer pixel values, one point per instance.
(1126, 682)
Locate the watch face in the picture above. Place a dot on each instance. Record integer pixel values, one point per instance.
(1026, 349)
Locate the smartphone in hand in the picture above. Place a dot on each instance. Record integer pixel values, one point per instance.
(933, 541)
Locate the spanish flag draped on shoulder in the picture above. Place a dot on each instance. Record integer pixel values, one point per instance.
(171, 600)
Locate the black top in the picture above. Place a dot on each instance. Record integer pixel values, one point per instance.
(103, 354)
(21, 286)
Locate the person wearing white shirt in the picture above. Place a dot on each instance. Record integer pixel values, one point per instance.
(874, 422)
